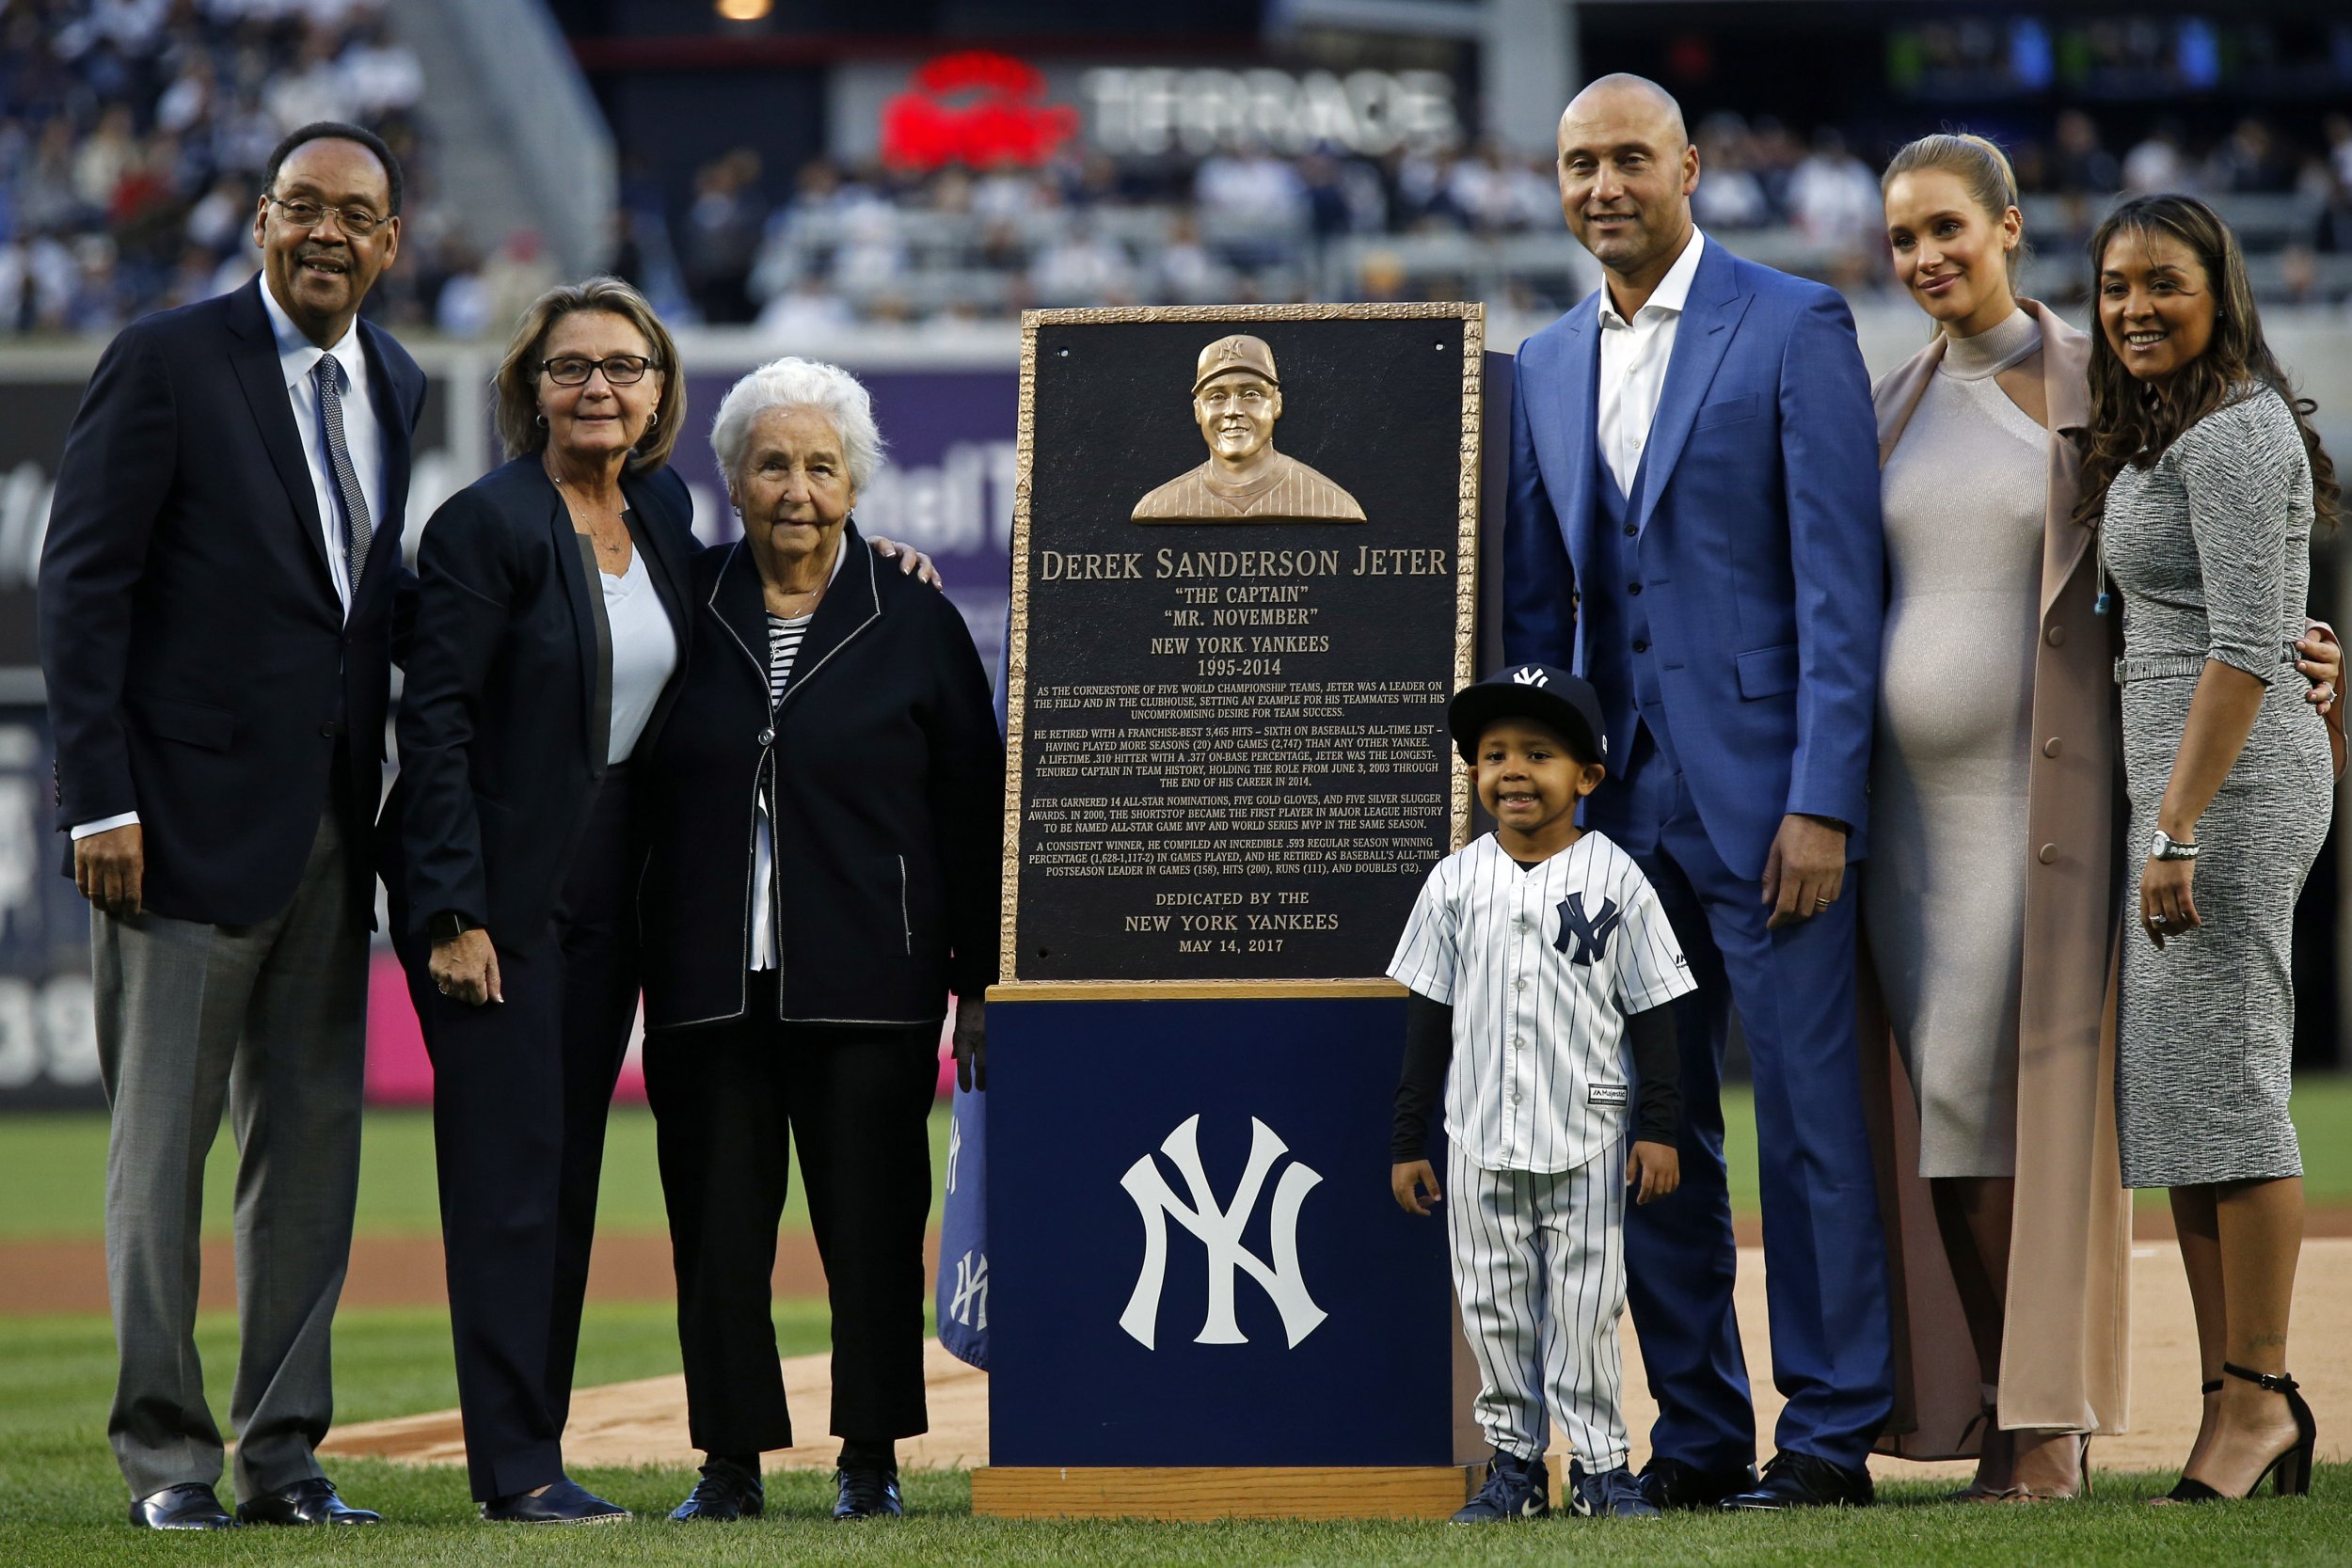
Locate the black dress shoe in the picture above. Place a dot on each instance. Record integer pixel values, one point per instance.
(305, 1503)
(192, 1506)
(564, 1503)
(867, 1494)
(726, 1492)
(1670, 1483)
(1804, 1480)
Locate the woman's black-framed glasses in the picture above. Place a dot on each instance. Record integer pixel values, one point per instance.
(358, 222)
(622, 370)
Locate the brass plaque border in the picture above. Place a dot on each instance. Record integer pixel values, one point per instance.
(1473, 315)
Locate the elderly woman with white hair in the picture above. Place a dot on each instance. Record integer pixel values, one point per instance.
(826, 807)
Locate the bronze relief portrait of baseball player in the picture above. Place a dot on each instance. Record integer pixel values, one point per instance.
(1236, 400)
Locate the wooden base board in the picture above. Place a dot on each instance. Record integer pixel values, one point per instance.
(1221, 1492)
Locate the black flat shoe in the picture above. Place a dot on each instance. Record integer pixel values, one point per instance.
(564, 1503)
(1670, 1484)
(867, 1494)
(2289, 1472)
(192, 1506)
(305, 1503)
(1804, 1480)
(725, 1494)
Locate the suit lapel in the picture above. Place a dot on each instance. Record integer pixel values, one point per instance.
(737, 604)
(572, 569)
(1574, 423)
(665, 555)
(262, 377)
(852, 604)
(392, 419)
(1710, 318)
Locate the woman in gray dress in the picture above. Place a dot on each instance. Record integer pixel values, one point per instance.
(2209, 478)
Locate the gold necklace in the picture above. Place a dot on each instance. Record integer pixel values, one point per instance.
(615, 549)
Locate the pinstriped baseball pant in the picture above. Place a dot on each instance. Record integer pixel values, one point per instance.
(1539, 1272)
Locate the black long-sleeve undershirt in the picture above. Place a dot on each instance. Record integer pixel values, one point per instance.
(1429, 1049)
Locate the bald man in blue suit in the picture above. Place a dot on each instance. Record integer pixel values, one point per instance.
(1692, 525)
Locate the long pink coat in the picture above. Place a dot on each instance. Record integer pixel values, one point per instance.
(2064, 1354)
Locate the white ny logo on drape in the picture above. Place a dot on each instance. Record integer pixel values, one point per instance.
(1219, 1231)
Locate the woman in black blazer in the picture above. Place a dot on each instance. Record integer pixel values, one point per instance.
(552, 618)
(826, 812)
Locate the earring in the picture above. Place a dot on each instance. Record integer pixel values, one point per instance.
(540, 420)
(652, 420)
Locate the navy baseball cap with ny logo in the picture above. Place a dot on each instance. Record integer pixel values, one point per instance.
(1544, 692)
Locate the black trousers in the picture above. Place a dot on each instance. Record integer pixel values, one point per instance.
(729, 1100)
(521, 1091)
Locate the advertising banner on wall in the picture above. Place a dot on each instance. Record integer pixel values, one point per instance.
(945, 488)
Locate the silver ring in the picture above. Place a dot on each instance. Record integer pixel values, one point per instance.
(2155, 920)
(1823, 903)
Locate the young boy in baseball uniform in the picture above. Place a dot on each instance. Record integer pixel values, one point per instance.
(1539, 962)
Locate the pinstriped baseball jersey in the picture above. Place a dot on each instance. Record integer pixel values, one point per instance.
(1288, 488)
(1536, 965)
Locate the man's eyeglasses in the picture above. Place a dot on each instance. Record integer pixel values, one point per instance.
(358, 222)
(622, 370)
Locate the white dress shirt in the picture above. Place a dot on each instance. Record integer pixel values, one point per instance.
(1633, 359)
(363, 434)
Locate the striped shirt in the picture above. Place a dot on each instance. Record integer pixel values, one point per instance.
(1540, 966)
(783, 645)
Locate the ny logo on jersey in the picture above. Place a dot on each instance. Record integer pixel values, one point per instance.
(971, 1293)
(1219, 1231)
(1591, 936)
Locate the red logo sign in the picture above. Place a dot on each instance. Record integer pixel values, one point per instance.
(1002, 115)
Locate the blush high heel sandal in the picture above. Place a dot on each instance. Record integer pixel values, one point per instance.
(2290, 1472)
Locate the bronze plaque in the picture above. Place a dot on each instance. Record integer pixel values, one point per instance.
(1244, 554)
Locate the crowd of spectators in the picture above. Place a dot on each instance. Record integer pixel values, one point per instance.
(133, 133)
(846, 244)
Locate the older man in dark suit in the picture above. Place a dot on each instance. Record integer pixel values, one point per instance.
(216, 597)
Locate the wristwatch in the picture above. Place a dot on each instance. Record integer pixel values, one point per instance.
(2166, 848)
(447, 926)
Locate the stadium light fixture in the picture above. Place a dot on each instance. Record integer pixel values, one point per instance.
(743, 11)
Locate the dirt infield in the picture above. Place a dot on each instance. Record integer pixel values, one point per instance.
(644, 1422)
(385, 1271)
(405, 1271)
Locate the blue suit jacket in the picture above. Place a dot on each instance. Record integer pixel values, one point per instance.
(1758, 549)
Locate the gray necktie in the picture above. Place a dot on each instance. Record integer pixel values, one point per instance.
(329, 373)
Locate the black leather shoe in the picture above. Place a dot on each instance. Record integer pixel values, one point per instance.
(864, 1494)
(1804, 1480)
(725, 1493)
(564, 1503)
(1669, 1484)
(305, 1503)
(192, 1506)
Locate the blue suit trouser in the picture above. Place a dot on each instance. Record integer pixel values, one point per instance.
(1825, 1254)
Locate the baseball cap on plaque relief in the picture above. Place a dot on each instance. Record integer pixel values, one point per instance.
(1243, 563)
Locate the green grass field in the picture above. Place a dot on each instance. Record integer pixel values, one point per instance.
(52, 1168)
(61, 1500)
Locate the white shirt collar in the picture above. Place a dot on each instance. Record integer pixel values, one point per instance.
(1673, 291)
(297, 354)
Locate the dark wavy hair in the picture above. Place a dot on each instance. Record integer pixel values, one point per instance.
(2130, 422)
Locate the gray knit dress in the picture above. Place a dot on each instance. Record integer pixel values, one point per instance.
(2211, 546)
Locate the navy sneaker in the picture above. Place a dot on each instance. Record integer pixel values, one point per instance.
(1515, 1489)
(1608, 1494)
